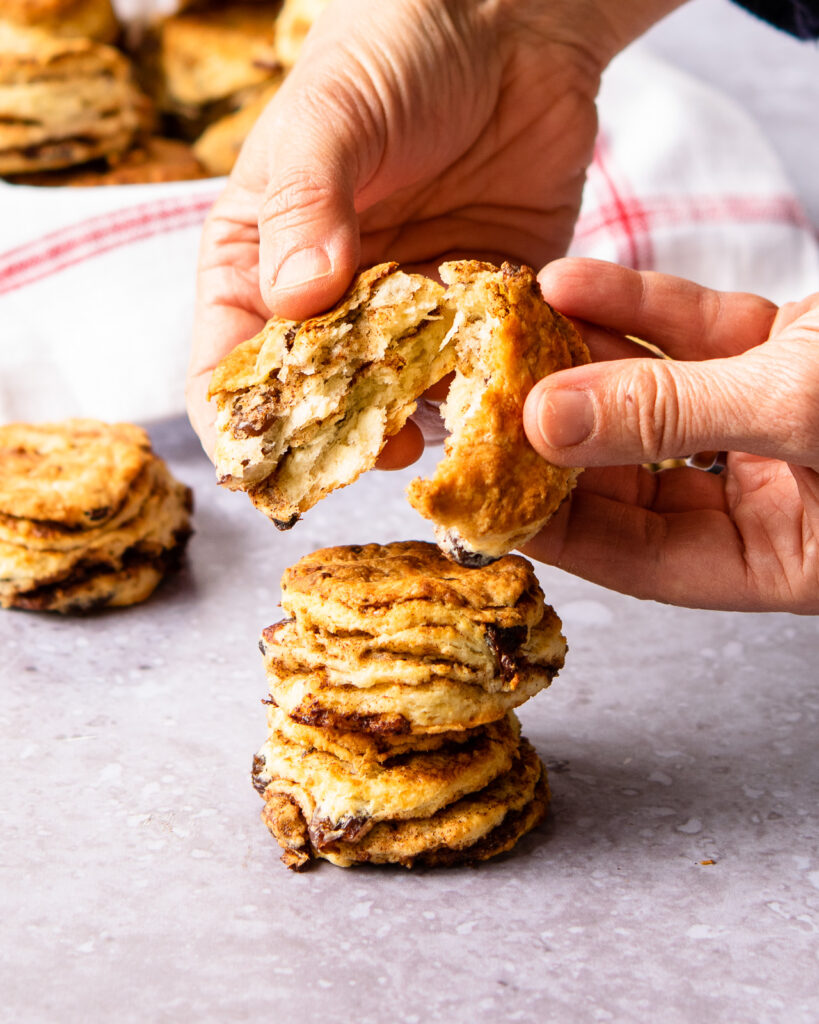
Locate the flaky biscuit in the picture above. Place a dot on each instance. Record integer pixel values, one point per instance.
(492, 491)
(439, 705)
(498, 655)
(360, 747)
(64, 102)
(74, 474)
(295, 20)
(342, 799)
(151, 161)
(218, 146)
(474, 828)
(389, 587)
(160, 525)
(89, 19)
(304, 408)
(202, 64)
(89, 516)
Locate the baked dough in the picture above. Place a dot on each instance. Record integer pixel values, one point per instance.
(473, 828)
(304, 408)
(360, 652)
(218, 146)
(295, 20)
(341, 798)
(492, 491)
(89, 19)
(151, 161)
(64, 102)
(203, 64)
(89, 516)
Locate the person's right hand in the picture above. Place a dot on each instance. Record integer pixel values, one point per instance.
(410, 130)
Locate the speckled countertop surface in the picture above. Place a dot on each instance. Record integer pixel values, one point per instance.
(138, 883)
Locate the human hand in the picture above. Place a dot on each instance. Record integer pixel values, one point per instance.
(744, 379)
(418, 130)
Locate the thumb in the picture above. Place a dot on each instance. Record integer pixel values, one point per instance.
(646, 410)
(308, 227)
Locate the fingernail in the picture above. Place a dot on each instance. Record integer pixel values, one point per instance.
(301, 267)
(566, 417)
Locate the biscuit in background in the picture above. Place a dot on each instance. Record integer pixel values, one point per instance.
(90, 517)
(203, 64)
(89, 19)
(64, 102)
(152, 160)
(492, 491)
(304, 408)
(218, 146)
(295, 20)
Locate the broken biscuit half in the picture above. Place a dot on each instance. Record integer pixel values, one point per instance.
(492, 491)
(304, 408)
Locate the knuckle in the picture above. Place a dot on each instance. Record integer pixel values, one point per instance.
(653, 410)
(293, 198)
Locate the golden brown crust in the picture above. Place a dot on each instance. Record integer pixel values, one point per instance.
(218, 146)
(76, 473)
(150, 162)
(203, 63)
(295, 20)
(89, 19)
(475, 827)
(89, 516)
(333, 792)
(64, 102)
(492, 491)
(373, 580)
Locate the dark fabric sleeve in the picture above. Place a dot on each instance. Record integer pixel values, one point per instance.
(799, 17)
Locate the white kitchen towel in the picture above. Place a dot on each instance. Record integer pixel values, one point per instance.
(97, 285)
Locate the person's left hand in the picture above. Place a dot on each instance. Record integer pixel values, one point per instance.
(743, 378)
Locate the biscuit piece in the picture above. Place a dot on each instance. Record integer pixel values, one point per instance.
(295, 20)
(480, 825)
(361, 651)
(63, 102)
(342, 799)
(304, 408)
(203, 64)
(89, 516)
(363, 748)
(153, 160)
(72, 474)
(492, 492)
(89, 19)
(218, 146)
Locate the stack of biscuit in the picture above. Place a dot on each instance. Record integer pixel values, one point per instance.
(90, 517)
(80, 104)
(392, 684)
(71, 112)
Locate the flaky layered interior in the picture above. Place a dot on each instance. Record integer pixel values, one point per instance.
(63, 101)
(306, 408)
(476, 826)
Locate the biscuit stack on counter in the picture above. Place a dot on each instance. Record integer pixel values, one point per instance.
(392, 737)
(90, 517)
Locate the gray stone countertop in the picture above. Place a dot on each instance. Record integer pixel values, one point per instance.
(677, 878)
